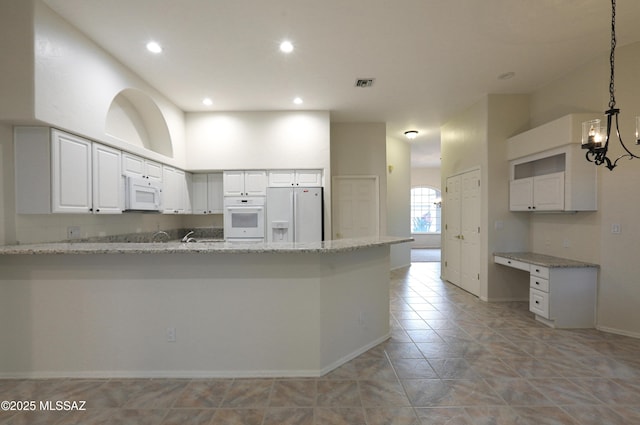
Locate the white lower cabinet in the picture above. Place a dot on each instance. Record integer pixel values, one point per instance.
(562, 297)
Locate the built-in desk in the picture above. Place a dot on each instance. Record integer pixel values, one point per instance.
(562, 292)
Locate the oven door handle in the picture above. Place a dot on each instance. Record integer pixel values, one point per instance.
(244, 208)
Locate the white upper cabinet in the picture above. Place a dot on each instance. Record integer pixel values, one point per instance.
(133, 165)
(287, 178)
(176, 192)
(57, 172)
(245, 183)
(71, 188)
(549, 171)
(538, 193)
(207, 193)
(107, 180)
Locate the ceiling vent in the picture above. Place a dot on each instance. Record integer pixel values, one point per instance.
(364, 82)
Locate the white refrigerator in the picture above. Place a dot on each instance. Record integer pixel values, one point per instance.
(294, 214)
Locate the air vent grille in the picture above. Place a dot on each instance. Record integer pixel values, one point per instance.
(364, 82)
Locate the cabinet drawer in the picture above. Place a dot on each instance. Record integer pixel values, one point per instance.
(539, 302)
(512, 263)
(543, 272)
(539, 283)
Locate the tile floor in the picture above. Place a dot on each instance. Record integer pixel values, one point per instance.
(452, 359)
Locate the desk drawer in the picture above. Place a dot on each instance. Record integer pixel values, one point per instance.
(512, 263)
(539, 302)
(543, 272)
(539, 283)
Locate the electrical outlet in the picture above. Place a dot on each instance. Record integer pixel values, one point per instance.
(171, 334)
(615, 228)
(73, 232)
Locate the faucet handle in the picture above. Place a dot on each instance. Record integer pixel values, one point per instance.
(186, 237)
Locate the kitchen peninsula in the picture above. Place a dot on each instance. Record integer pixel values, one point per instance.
(191, 309)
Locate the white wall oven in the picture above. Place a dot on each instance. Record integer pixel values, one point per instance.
(244, 218)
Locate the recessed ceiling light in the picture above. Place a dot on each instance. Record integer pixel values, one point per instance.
(286, 47)
(154, 47)
(297, 101)
(207, 101)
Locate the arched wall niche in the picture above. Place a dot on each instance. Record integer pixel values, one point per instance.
(135, 118)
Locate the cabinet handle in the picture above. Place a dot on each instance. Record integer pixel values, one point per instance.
(537, 302)
(537, 270)
(537, 283)
(508, 261)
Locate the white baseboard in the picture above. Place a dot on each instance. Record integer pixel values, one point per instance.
(193, 374)
(618, 331)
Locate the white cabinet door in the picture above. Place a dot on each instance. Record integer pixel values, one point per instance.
(134, 165)
(186, 192)
(107, 180)
(153, 170)
(199, 187)
(521, 194)
(245, 183)
(255, 183)
(70, 173)
(207, 193)
(548, 192)
(308, 178)
(215, 198)
(170, 190)
(288, 178)
(233, 182)
(281, 178)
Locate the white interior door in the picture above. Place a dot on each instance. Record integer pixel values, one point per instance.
(470, 232)
(452, 230)
(355, 207)
(462, 231)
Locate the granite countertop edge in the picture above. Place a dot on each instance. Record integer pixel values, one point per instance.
(545, 260)
(213, 247)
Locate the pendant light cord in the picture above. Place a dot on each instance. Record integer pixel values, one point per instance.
(612, 95)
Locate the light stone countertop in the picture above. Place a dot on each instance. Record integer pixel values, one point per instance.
(544, 260)
(217, 247)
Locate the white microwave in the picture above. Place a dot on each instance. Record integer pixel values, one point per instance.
(142, 194)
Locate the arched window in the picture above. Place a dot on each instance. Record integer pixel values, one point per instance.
(425, 210)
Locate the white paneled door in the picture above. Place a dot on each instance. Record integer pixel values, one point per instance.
(355, 207)
(462, 231)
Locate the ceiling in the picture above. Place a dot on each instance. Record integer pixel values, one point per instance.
(429, 58)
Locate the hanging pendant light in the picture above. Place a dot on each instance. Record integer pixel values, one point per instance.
(593, 138)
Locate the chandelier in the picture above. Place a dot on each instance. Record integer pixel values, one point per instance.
(592, 137)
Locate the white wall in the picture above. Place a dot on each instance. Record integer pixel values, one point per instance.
(360, 149)
(7, 191)
(258, 140)
(586, 90)
(76, 82)
(476, 138)
(16, 67)
(398, 199)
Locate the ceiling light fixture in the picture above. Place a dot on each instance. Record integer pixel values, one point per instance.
(411, 134)
(593, 139)
(297, 101)
(286, 46)
(207, 101)
(154, 47)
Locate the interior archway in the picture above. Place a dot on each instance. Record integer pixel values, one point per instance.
(135, 118)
